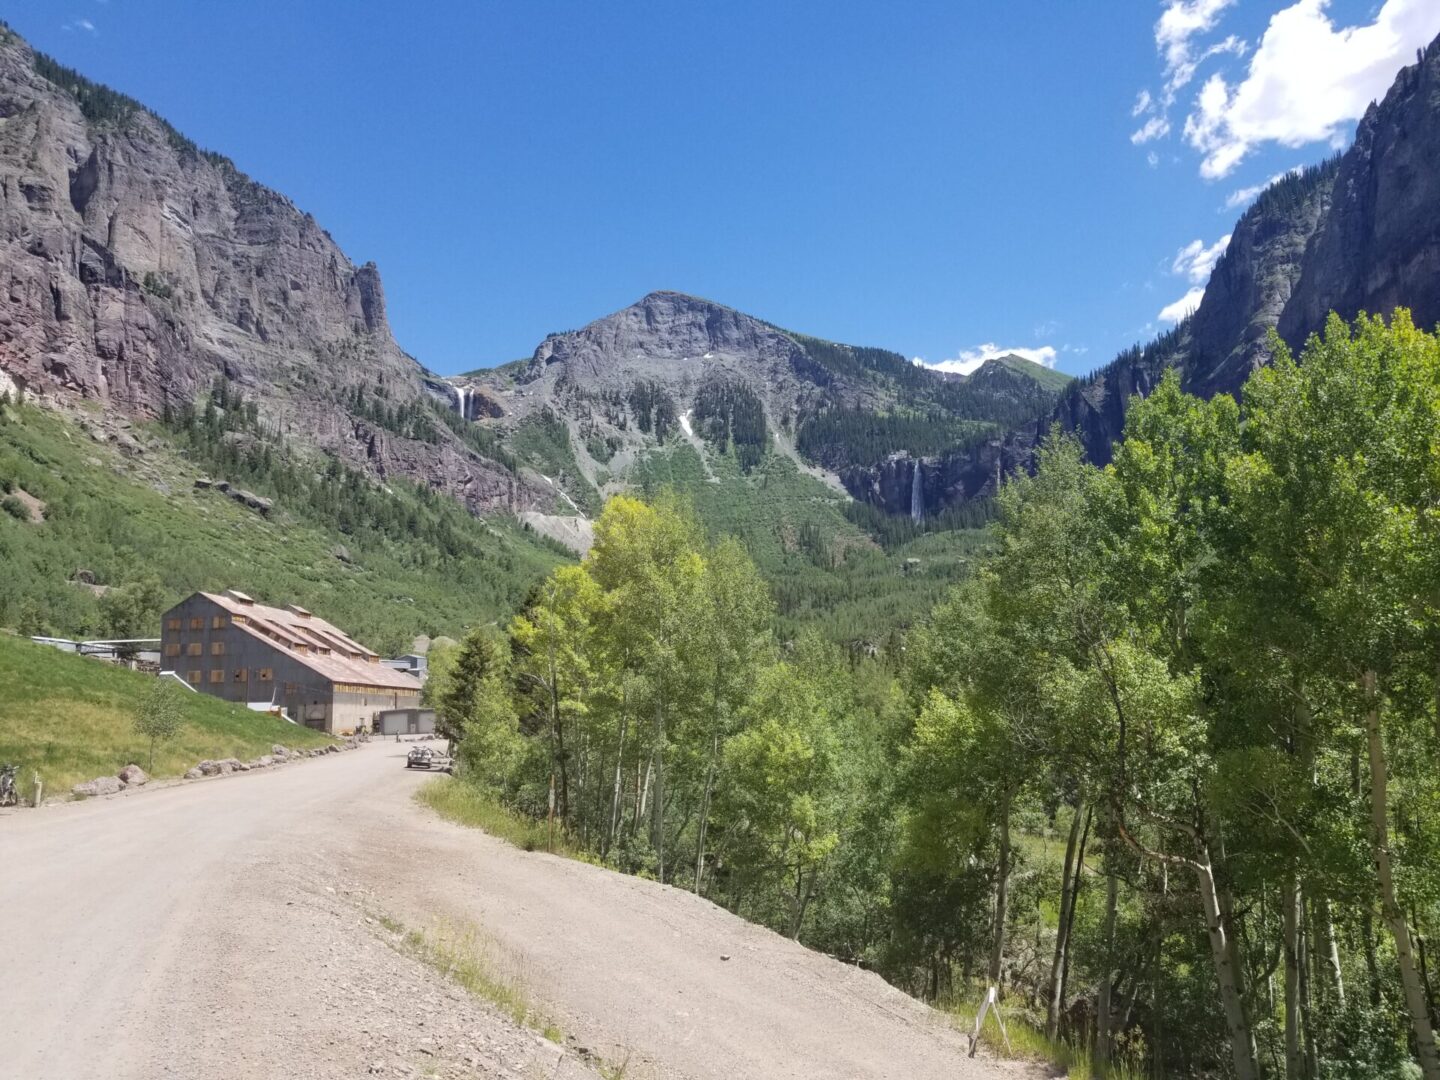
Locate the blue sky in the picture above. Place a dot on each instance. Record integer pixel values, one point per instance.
(928, 177)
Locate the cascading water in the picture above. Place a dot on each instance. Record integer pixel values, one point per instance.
(917, 494)
(464, 394)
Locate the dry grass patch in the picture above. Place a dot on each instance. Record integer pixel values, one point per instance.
(471, 960)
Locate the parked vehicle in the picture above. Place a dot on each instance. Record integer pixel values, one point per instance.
(8, 795)
(422, 757)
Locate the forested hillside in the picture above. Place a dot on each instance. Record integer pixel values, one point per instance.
(97, 537)
(1163, 769)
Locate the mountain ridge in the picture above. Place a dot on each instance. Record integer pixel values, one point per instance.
(142, 269)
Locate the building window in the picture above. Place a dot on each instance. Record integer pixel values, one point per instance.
(172, 624)
(217, 648)
(173, 649)
(267, 674)
(194, 677)
(217, 675)
(197, 623)
(242, 674)
(290, 688)
(193, 649)
(217, 622)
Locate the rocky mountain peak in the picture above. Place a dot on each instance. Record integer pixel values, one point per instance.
(663, 335)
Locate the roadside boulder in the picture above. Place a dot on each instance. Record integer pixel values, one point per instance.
(264, 761)
(193, 774)
(223, 768)
(101, 785)
(133, 776)
(208, 767)
(279, 751)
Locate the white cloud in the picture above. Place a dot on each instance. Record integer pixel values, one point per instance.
(1180, 23)
(1173, 313)
(1306, 81)
(1156, 127)
(1195, 260)
(80, 24)
(969, 360)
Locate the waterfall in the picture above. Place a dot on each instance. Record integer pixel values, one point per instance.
(464, 394)
(917, 494)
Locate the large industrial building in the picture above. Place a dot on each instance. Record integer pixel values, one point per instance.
(227, 645)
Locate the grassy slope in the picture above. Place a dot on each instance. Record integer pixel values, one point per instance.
(123, 518)
(71, 719)
(825, 571)
(1049, 378)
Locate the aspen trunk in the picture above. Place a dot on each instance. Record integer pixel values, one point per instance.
(660, 791)
(1424, 963)
(1074, 903)
(1107, 979)
(1062, 930)
(1389, 904)
(615, 802)
(1290, 908)
(1002, 893)
(704, 826)
(1232, 997)
(1329, 949)
(642, 792)
(802, 901)
(1307, 986)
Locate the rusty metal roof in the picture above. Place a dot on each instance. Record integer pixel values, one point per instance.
(347, 660)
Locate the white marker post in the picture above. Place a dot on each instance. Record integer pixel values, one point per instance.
(991, 999)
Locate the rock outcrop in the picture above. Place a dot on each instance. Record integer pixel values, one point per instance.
(1379, 245)
(136, 269)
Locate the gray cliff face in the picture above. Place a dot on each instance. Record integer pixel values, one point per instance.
(1253, 283)
(1379, 246)
(135, 269)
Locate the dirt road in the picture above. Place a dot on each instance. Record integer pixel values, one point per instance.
(237, 928)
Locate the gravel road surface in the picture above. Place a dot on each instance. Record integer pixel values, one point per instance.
(246, 926)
